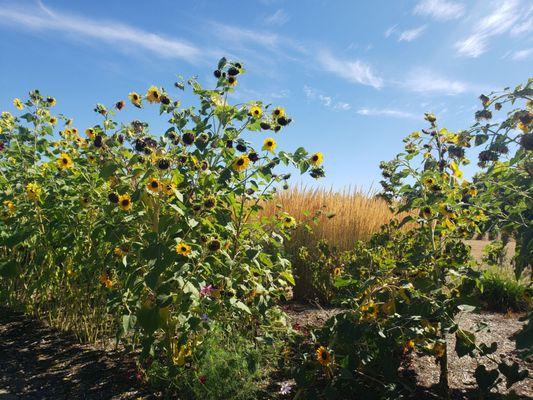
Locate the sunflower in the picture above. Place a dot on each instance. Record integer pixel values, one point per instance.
(33, 191)
(9, 205)
(91, 158)
(153, 185)
(210, 203)
(51, 101)
(153, 95)
(241, 163)
(288, 221)
(52, 120)
(269, 144)
(135, 99)
(183, 249)
(426, 212)
(89, 132)
(119, 252)
(232, 81)
(64, 162)
(168, 188)
(124, 201)
(256, 112)
(214, 245)
(323, 356)
(278, 112)
(85, 201)
(336, 272)
(446, 210)
(316, 159)
(17, 103)
(428, 181)
(106, 281)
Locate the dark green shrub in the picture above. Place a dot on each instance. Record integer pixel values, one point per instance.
(503, 293)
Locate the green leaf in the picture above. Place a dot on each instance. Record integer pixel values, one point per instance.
(465, 342)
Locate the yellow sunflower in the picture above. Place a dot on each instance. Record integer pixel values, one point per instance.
(106, 281)
(323, 356)
(316, 159)
(17, 103)
(9, 205)
(336, 272)
(119, 252)
(85, 201)
(135, 99)
(426, 212)
(153, 185)
(51, 101)
(269, 144)
(241, 163)
(89, 132)
(256, 112)
(124, 201)
(168, 188)
(33, 191)
(288, 221)
(153, 95)
(183, 249)
(278, 112)
(52, 120)
(64, 162)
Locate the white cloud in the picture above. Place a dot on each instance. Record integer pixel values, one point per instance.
(355, 71)
(386, 112)
(279, 18)
(326, 101)
(390, 31)
(111, 32)
(522, 54)
(411, 34)
(440, 9)
(422, 80)
(504, 16)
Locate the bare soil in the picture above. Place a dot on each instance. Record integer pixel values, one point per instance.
(38, 362)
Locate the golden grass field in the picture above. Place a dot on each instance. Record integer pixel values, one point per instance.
(344, 217)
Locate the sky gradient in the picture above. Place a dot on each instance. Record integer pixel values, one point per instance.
(356, 77)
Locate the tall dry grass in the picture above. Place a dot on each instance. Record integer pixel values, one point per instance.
(346, 216)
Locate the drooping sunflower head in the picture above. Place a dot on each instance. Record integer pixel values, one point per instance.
(183, 249)
(278, 112)
(153, 95)
(153, 185)
(269, 144)
(119, 105)
(241, 163)
(135, 99)
(426, 212)
(64, 161)
(210, 202)
(124, 202)
(214, 245)
(256, 112)
(316, 159)
(17, 103)
(323, 356)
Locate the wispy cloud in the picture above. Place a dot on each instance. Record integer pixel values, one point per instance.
(279, 18)
(440, 9)
(522, 54)
(422, 80)
(355, 71)
(111, 32)
(326, 101)
(387, 112)
(411, 34)
(407, 35)
(390, 31)
(504, 16)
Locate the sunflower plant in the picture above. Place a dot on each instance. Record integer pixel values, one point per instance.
(163, 226)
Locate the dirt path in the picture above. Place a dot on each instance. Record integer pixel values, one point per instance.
(37, 362)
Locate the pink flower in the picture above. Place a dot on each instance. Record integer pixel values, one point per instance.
(206, 290)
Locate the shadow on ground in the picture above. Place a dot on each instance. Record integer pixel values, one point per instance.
(37, 362)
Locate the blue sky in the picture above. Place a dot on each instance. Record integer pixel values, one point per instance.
(356, 77)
